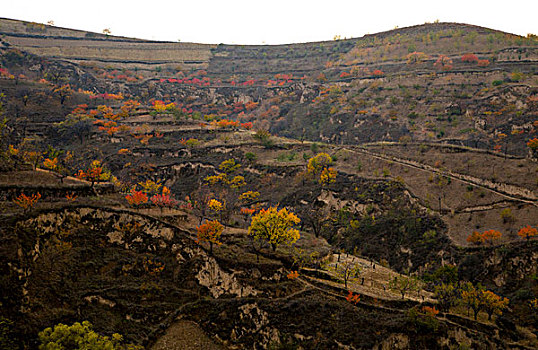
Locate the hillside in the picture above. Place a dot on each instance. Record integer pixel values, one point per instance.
(428, 133)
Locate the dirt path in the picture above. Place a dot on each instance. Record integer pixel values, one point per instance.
(185, 335)
(508, 191)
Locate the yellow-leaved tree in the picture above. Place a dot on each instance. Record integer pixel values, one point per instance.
(275, 226)
(318, 167)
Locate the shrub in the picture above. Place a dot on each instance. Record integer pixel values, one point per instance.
(424, 319)
(516, 76)
(507, 216)
(264, 137)
(251, 157)
(80, 336)
(469, 57)
(27, 202)
(7, 335)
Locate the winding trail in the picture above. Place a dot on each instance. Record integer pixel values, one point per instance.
(510, 192)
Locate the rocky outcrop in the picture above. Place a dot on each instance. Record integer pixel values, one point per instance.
(220, 282)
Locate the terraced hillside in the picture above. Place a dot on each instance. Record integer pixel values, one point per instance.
(123, 148)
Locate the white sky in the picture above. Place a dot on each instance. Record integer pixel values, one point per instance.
(269, 22)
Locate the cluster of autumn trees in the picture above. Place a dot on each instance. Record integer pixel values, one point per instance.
(200, 79)
(94, 173)
(125, 75)
(444, 62)
(81, 118)
(271, 225)
(472, 58)
(64, 91)
(357, 72)
(221, 196)
(491, 236)
(216, 116)
(105, 96)
(447, 289)
(318, 168)
(4, 73)
(151, 191)
(473, 297)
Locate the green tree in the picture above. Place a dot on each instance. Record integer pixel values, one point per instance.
(264, 137)
(444, 274)
(447, 296)
(80, 336)
(347, 270)
(404, 284)
(7, 335)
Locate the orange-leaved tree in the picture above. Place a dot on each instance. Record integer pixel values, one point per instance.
(247, 212)
(210, 232)
(491, 236)
(475, 238)
(430, 311)
(469, 57)
(58, 162)
(63, 92)
(128, 107)
(533, 145)
(488, 236)
(378, 72)
(163, 200)
(527, 232)
(136, 198)
(94, 173)
(51, 164)
(443, 63)
(27, 202)
(293, 275)
(353, 298)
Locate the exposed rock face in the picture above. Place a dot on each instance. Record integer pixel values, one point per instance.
(109, 260)
(336, 204)
(220, 282)
(505, 268)
(394, 342)
(255, 321)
